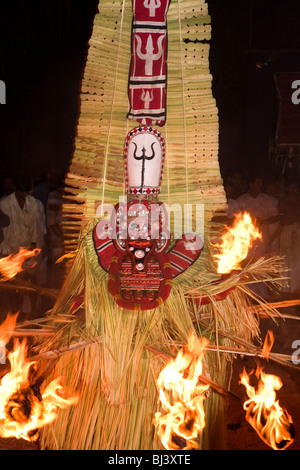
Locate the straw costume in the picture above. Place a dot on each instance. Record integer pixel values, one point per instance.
(129, 340)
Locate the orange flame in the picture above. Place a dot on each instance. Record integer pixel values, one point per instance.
(272, 423)
(236, 242)
(23, 410)
(7, 328)
(268, 344)
(181, 398)
(11, 265)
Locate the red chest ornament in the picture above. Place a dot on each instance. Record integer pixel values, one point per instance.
(133, 245)
(140, 273)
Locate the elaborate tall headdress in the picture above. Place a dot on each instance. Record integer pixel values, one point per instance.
(134, 251)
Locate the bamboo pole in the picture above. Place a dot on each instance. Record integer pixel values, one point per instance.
(251, 349)
(30, 288)
(20, 333)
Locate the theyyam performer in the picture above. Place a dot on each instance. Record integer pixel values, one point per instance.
(140, 283)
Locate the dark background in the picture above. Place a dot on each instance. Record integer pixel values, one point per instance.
(251, 41)
(43, 49)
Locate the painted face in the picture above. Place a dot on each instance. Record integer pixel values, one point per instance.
(140, 223)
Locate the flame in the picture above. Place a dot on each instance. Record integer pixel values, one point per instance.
(268, 344)
(23, 410)
(70, 255)
(272, 423)
(236, 242)
(13, 264)
(7, 327)
(181, 398)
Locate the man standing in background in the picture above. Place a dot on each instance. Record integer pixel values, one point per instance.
(22, 232)
(22, 210)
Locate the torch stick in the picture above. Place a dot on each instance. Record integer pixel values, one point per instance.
(282, 304)
(280, 357)
(30, 288)
(252, 350)
(25, 333)
(54, 355)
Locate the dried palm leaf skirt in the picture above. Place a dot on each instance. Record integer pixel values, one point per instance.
(116, 376)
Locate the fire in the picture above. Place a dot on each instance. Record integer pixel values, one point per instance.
(182, 398)
(272, 423)
(7, 327)
(236, 242)
(13, 264)
(23, 409)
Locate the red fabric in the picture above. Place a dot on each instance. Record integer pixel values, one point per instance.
(148, 69)
(185, 252)
(115, 289)
(78, 302)
(103, 243)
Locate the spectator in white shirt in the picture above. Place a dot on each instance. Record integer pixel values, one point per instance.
(23, 229)
(22, 210)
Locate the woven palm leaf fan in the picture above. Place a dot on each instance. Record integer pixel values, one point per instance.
(126, 349)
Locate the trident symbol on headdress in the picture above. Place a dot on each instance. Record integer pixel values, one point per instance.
(152, 5)
(147, 97)
(143, 157)
(149, 57)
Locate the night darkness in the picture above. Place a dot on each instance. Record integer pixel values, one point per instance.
(43, 49)
(43, 52)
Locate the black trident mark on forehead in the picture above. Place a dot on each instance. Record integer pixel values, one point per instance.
(143, 157)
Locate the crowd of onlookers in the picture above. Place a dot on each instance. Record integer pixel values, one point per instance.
(30, 218)
(274, 203)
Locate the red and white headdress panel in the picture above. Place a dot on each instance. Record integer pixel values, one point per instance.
(148, 70)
